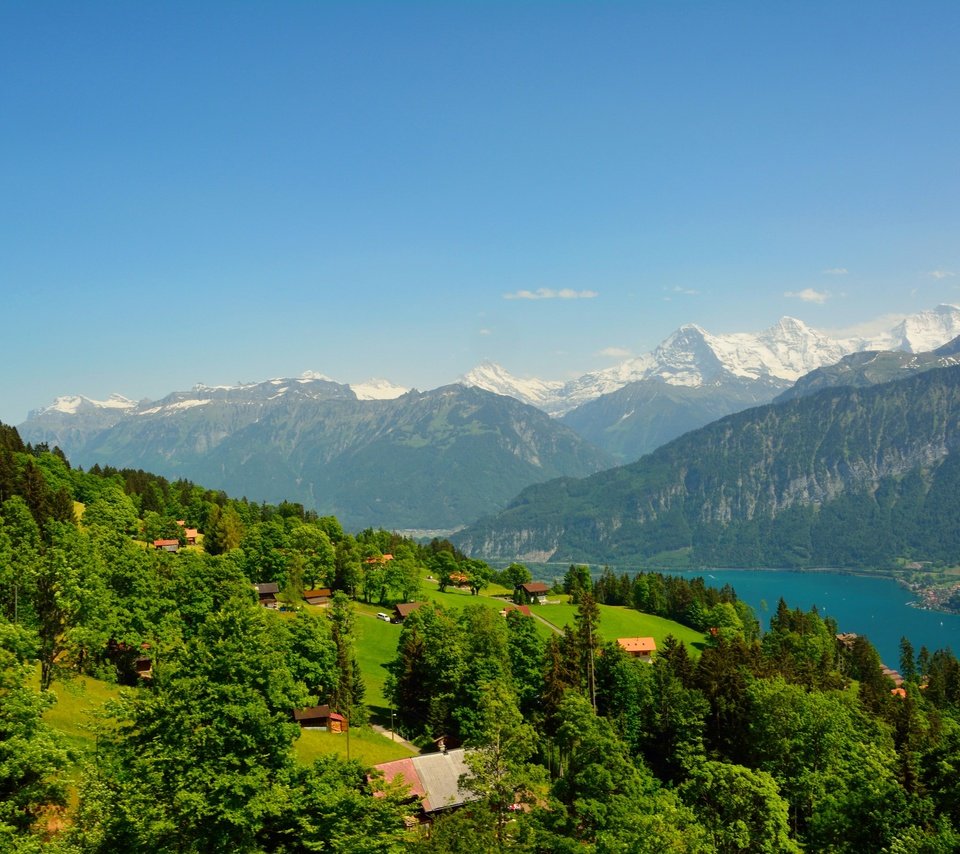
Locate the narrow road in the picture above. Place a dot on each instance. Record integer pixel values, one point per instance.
(388, 733)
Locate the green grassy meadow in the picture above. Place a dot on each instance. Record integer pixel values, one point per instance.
(370, 747)
(619, 622)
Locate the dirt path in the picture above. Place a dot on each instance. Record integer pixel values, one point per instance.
(387, 733)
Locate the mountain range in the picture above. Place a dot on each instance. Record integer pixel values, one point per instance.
(376, 453)
(694, 377)
(430, 460)
(839, 477)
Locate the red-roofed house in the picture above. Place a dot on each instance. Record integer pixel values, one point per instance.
(167, 545)
(642, 648)
(433, 778)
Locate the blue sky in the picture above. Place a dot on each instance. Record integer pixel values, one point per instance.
(221, 192)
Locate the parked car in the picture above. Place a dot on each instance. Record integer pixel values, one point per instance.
(384, 617)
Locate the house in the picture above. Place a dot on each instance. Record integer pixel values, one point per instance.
(523, 609)
(143, 667)
(535, 591)
(267, 592)
(404, 610)
(320, 717)
(890, 673)
(189, 534)
(642, 648)
(434, 778)
(167, 545)
(381, 559)
(319, 596)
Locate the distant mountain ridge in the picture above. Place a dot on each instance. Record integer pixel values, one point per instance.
(842, 477)
(435, 459)
(333, 455)
(872, 367)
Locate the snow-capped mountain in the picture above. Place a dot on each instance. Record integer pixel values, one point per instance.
(378, 389)
(693, 357)
(494, 378)
(73, 404)
(918, 333)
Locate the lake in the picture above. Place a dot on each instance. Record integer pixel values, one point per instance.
(876, 607)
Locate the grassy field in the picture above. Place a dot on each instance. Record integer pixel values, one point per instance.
(376, 645)
(74, 714)
(619, 622)
(370, 747)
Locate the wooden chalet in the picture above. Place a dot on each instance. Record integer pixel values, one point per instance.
(189, 534)
(321, 717)
(642, 648)
(404, 610)
(319, 596)
(535, 591)
(167, 545)
(267, 592)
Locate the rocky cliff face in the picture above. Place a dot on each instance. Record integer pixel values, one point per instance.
(751, 476)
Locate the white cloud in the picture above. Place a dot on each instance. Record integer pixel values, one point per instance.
(550, 293)
(942, 274)
(614, 352)
(836, 271)
(690, 292)
(808, 295)
(485, 332)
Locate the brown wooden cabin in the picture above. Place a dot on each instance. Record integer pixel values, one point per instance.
(321, 717)
(404, 610)
(535, 591)
(318, 596)
(267, 592)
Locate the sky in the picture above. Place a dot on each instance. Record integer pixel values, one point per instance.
(214, 192)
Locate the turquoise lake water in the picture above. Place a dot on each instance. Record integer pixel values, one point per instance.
(876, 607)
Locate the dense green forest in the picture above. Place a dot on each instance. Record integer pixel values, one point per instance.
(783, 740)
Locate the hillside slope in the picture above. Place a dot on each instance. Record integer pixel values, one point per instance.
(433, 460)
(843, 477)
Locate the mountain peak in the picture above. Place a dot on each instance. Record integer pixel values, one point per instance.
(72, 404)
(495, 378)
(378, 389)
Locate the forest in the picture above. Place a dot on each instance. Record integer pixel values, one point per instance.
(781, 738)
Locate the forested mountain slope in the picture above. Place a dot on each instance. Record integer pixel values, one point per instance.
(643, 415)
(435, 459)
(844, 477)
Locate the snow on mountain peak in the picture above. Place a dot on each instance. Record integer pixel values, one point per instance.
(495, 378)
(377, 389)
(922, 332)
(71, 404)
(307, 376)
